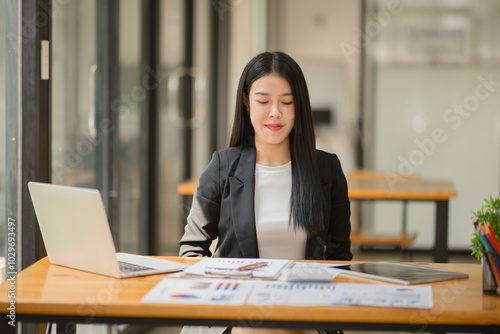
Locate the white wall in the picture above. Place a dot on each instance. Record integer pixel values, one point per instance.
(438, 71)
(412, 102)
(311, 32)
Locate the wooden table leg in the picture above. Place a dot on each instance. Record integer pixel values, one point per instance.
(66, 327)
(6, 328)
(441, 246)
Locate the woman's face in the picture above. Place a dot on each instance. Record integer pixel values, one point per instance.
(272, 110)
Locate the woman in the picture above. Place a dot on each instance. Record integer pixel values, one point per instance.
(271, 194)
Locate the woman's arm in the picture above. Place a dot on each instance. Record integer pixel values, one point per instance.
(203, 219)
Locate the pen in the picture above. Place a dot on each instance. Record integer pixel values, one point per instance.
(253, 266)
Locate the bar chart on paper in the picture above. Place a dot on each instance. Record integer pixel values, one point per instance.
(199, 291)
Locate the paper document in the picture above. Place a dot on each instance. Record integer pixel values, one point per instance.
(310, 272)
(229, 266)
(292, 294)
(324, 294)
(259, 292)
(384, 295)
(199, 291)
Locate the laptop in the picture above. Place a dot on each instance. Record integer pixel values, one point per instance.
(76, 233)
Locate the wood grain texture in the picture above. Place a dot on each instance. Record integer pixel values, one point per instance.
(396, 240)
(391, 187)
(47, 289)
(401, 189)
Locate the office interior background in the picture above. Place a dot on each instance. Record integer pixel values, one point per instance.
(132, 97)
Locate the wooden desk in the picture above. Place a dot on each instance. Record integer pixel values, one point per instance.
(439, 192)
(187, 188)
(49, 293)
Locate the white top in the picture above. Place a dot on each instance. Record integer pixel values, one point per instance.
(275, 238)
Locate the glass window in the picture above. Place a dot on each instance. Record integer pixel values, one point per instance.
(170, 152)
(172, 124)
(131, 94)
(73, 113)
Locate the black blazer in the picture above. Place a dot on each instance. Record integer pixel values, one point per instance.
(223, 207)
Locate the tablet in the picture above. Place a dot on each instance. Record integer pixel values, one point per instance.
(402, 273)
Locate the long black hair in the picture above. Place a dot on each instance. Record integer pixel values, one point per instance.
(306, 202)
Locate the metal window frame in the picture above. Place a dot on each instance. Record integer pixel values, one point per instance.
(28, 128)
(27, 119)
(148, 207)
(219, 53)
(186, 89)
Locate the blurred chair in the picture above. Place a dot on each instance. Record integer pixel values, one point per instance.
(364, 237)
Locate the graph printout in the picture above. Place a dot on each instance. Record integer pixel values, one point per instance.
(325, 294)
(199, 291)
(212, 291)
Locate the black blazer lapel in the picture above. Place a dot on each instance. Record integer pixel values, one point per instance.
(242, 189)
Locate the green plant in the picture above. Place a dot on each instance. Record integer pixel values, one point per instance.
(490, 212)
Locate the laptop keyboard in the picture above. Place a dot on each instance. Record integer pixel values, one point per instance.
(130, 267)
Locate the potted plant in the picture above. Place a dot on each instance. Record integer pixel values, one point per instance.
(489, 212)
